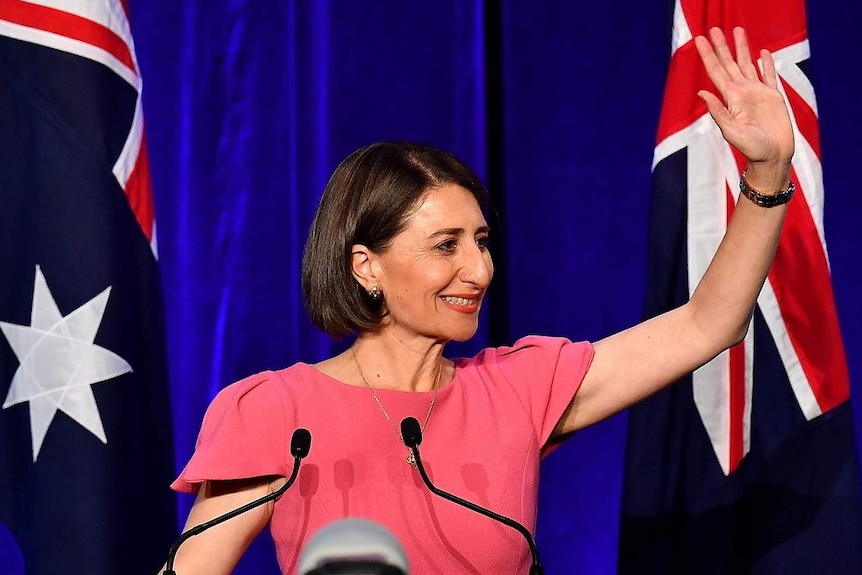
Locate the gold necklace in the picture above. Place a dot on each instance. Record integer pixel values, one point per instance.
(410, 459)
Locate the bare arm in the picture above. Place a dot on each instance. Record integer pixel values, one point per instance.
(218, 550)
(640, 361)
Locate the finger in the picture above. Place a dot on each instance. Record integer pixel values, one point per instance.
(770, 78)
(711, 64)
(716, 109)
(723, 53)
(743, 54)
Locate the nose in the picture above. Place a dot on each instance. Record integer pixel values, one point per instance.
(477, 268)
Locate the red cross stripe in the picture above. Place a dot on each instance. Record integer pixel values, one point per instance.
(797, 302)
(98, 31)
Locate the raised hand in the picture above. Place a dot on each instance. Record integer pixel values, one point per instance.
(751, 113)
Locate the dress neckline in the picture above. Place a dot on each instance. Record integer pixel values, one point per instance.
(392, 392)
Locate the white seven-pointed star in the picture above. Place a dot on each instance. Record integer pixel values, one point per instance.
(59, 362)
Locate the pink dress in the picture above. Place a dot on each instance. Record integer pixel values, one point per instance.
(488, 430)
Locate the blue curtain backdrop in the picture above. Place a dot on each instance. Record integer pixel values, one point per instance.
(251, 103)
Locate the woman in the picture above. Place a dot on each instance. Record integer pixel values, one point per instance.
(398, 255)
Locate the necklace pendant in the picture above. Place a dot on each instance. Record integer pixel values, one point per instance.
(411, 460)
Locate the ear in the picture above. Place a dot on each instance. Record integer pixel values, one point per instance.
(363, 266)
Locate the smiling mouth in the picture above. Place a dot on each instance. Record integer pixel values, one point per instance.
(460, 300)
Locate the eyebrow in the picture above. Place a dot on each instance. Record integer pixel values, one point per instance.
(459, 231)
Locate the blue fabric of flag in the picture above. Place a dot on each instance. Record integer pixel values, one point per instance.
(792, 506)
(81, 504)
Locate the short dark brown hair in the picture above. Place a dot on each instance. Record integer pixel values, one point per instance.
(369, 200)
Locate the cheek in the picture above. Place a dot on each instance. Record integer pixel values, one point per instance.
(412, 285)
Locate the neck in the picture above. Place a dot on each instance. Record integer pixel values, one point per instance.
(395, 366)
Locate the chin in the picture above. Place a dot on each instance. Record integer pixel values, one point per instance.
(462, 335)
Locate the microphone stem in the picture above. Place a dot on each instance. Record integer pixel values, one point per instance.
(198, 529)
(536, 568)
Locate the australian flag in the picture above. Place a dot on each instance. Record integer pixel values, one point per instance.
(86, 449)
(748, 466)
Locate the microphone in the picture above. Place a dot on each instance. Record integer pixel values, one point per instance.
(300, 445)
(353, 547)
(412, 434)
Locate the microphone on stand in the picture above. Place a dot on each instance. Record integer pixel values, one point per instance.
(300, 444)
(411, 432)
(353, 547)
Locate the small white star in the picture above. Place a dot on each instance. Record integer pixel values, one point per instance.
(59, 362)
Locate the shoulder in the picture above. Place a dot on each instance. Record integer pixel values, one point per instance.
(258, 398)
(534, 354)
(538, 374)
(251, 391)
(244, 432)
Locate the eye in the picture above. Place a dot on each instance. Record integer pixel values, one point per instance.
(447, 246)
(482, 242)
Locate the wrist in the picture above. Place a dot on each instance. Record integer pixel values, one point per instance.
(766, 198)
(768, 177)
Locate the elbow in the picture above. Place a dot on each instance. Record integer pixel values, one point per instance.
(721, 332)
(737, 335)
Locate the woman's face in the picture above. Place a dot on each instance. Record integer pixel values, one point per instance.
(436, 271)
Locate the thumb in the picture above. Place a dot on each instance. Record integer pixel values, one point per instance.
(715, 108)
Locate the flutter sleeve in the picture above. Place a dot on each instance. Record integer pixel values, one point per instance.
(546, 373)
(243, 435)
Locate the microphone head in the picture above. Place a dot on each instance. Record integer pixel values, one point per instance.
(300, 442)
(353, 546)
(411, 432)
